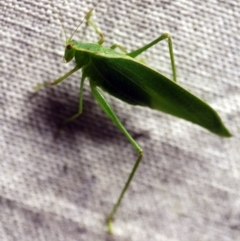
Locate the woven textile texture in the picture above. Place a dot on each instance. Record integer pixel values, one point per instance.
(61, 189)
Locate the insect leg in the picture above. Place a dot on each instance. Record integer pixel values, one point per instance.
(120, 47)
(55, 82)
(110, 113)
(79, 105)
(170, 47)
(89, 21)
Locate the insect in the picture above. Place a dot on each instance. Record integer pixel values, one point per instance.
(133, 82)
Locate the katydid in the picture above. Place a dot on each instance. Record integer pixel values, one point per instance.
(133, 82)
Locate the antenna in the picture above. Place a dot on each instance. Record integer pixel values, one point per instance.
(61, 22)
(93, 7)
(64, 31)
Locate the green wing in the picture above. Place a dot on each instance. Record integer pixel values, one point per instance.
(137, 84)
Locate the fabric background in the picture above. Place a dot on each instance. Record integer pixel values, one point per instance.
(186, 188)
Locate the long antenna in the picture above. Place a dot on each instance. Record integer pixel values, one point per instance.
(93, 7)
(64, 31)
(61, 22)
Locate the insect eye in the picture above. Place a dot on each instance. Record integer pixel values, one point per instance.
(69, 46)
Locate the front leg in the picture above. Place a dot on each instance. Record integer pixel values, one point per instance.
(89, 21)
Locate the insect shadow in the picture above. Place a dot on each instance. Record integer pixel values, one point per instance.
(51, 111)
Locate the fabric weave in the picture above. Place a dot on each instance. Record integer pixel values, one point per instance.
(187, 186)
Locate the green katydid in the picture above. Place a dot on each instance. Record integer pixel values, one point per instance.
(133, 82)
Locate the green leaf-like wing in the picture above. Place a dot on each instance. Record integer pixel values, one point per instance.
(135, 83)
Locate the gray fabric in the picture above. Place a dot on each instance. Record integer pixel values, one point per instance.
(186, 188)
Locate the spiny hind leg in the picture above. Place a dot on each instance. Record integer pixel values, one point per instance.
(111, 114)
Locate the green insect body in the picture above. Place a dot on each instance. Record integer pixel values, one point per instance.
(131, 81)
(135, 83)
